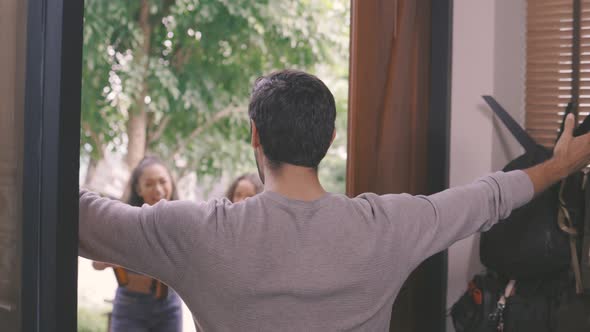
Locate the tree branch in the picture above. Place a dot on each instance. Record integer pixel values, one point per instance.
(144, 23)
(95, 138)
(153, 137)
(200, 129)
(181, 56)
(136, 123)
(150, 120)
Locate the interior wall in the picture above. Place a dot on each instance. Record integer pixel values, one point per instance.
(509, 76)
(471, 122)
(488, 58)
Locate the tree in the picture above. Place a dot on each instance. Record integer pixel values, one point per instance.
(172, 77)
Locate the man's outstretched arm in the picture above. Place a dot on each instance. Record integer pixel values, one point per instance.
(425, 225)
(153, 240)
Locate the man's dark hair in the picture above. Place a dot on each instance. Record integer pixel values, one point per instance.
(295, 115)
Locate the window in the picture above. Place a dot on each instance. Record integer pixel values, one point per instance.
(558, 64)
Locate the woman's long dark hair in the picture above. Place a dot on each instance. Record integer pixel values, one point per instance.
(253, 178)
(130, 195)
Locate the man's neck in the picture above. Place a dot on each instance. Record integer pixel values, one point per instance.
(295, 182)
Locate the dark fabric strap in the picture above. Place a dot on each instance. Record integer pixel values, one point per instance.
(157, 288)
(515, 129)
(583, 128)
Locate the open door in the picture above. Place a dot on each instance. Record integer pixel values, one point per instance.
(399, 125)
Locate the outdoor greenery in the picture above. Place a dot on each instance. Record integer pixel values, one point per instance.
(91, 320)
(172, 77)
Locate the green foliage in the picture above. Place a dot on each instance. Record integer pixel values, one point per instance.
(202, 59)
(91, 320)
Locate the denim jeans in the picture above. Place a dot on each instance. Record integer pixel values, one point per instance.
(136, 312)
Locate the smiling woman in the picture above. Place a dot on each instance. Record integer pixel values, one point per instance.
(142, 302)
(150, 182)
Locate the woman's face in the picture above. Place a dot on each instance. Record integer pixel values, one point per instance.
(154, 184)
(244, 189)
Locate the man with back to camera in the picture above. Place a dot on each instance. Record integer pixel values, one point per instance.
(296, 258)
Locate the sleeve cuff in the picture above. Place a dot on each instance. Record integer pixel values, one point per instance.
(519, 186)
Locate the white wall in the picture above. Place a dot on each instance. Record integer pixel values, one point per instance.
(488, 58)
(509, 75)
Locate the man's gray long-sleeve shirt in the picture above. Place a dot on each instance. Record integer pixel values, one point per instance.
(275, 264)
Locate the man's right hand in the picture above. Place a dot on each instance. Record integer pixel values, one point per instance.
(569, 155)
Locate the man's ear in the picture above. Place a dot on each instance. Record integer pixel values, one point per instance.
(255, 138)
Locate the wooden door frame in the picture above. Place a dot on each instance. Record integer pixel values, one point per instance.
(51, 165)
(51, 158)
(439, 133)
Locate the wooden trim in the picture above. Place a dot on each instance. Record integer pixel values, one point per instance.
(51, 164)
